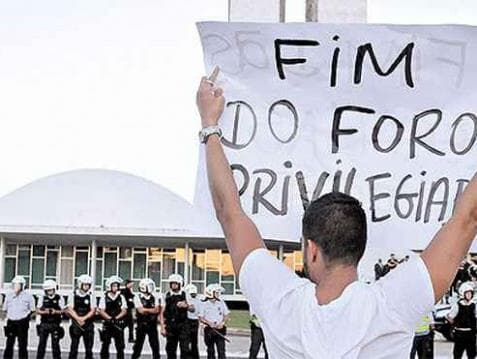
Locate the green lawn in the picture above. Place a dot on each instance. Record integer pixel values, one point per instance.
(239, 319)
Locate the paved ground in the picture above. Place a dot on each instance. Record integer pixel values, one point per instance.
(237, 348)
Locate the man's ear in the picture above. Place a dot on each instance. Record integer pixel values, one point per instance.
(312, 250)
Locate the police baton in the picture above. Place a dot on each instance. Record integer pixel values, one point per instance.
(216, 332)
(76, 324)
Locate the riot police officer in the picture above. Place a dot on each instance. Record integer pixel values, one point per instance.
(174, 319)
(462, 317)
(193, 319)
(256, 337)
(214, 314)
(50, 306)
(148, 307)
(128, 294)
(19, 304)
(81, 309)
(113, 309)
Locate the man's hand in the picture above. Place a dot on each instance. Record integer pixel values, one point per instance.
(164, 332)
(182, 304)
(210, 101)
(241, 235)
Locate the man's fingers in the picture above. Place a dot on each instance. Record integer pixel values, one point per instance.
(215, 73)
(218, 92)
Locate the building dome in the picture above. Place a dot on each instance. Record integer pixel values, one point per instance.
(96, 201)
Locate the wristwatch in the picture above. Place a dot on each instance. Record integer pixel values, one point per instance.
(208, 131)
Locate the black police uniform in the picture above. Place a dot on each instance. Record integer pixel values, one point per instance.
(147, 325)
(50, 324)
(176, 326)
(113, 329)
(464, 331)
(82, 306)
(257, 340)
(129, 319)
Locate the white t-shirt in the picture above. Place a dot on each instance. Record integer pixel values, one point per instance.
(367, 321)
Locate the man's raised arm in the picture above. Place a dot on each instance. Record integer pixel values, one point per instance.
(240, 232)
(445, 252)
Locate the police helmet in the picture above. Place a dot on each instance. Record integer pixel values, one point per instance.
(49, 284)
(191, 289)
(84, 279)
(465, 287)
(176, 278)
(213, 290)
(147, 285)
(19, 280)
(114, 279)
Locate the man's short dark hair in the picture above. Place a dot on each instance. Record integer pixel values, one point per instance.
(336, 222)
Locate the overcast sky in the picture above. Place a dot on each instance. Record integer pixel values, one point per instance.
(111, 84)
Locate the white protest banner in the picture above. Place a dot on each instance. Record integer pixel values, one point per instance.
(386, 113)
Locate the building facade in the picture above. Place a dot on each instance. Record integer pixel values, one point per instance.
(110, 223)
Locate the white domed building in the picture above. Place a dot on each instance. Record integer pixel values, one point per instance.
(105, 222)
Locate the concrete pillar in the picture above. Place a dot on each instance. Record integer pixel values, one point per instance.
(337, 11)
(2, 261)
(280, 252)
(257, 10)
(93, 262)
(186, 264)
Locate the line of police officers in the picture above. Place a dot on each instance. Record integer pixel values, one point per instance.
(180, 313)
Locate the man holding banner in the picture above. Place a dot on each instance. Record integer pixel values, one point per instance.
(331, 314)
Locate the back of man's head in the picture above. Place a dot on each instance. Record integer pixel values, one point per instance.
(336, 222)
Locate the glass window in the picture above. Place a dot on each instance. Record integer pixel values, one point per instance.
(139, 269)
(125, 253)
(180, 269)
(51, 263)
(66, 272)
(180, 254)
(154, 254)
(168, 264)
(213, 255)
(227, 268)
(213, 258)
(11, 250)
(125, 269)
(110, 264)
(99, 272)
(38, 251)
(99, 252)
(24, 262)
(38, 271)
(154, 272)
(229, 288)
(81, 263)
(67, 251)
(9, 273)
(212, 276)
(198, 266)
(298, 261)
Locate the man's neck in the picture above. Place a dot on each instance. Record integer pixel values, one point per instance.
(333, 283)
